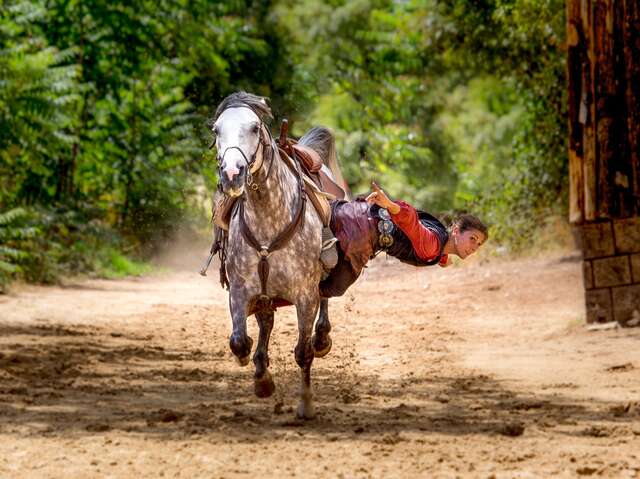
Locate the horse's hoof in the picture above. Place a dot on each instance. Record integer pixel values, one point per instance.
(264, 386)
(306, 411)
(321, 350)
(241, 349)
(243, 361)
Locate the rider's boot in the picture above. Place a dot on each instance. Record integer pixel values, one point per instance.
(329, 254)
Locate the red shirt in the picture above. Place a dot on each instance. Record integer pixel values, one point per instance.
(424, 241)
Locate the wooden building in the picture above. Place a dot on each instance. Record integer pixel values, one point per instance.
(603, 40)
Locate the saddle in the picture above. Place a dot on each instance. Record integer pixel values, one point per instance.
(320, 188)
(312, 166)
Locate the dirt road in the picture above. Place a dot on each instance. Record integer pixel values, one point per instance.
(483, 370)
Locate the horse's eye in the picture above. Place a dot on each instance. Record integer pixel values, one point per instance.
(215, 130)
(255, 128)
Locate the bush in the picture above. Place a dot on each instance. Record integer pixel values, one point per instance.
(42, 245)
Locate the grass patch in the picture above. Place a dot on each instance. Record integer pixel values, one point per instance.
(112, 264)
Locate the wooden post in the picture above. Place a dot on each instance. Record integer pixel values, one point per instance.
(603, 71)
(588, 115)
(631, 37)
(575, 47)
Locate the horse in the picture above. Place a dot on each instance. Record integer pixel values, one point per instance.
(274, 240)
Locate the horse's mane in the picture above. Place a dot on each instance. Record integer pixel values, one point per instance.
(322, 140)
(257, 104)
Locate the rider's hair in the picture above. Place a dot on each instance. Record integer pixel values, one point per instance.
(466, 222)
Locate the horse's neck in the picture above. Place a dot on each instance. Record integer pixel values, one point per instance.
(272, 207)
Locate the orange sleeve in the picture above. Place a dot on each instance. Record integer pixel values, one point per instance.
(424, 241)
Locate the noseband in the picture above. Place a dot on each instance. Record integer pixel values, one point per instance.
(252, 165)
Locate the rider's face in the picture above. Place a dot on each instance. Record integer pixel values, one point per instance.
(468, 241)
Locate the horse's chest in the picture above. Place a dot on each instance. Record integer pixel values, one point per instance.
(296, 263)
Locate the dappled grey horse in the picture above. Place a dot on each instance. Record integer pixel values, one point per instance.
(274, 240)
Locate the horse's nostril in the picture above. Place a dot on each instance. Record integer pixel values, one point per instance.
(232, 172)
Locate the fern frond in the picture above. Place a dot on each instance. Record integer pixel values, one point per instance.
(8, 268)
(12, 215)
(11, 253)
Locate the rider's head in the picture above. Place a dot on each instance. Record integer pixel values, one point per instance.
(466, 234)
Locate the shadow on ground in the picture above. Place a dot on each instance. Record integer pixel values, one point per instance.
(83, 380)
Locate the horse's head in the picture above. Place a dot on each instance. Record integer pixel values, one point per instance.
(241, 139)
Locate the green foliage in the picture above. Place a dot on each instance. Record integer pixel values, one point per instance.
(103, 109)
(37, 100)
(451, 105)
(41, 245)
(113, 265)
(370, 62)
(11, 234)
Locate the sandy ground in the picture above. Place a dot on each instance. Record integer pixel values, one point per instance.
(483, 370)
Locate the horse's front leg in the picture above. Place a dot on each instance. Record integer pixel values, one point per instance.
(239, 341)
(321, 339)
(306, 307)
(263, 383)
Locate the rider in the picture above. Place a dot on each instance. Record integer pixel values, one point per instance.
(415, 237)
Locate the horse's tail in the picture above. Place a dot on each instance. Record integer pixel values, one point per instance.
(322, 140)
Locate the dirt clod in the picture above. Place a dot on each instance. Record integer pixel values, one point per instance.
(512, 429)
(586, 471)
(167, 415)
(98, 427)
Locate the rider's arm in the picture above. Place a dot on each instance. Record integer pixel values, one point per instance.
(425, 242)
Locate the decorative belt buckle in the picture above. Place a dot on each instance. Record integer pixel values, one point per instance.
(385, 228)
(385, 241)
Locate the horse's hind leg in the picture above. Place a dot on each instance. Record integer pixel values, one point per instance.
(321, 339)
(263, 384)
(239, 342)
(306, 309)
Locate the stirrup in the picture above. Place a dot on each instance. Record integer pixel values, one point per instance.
(329, 253)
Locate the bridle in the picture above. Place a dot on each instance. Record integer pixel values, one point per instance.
(265, 140)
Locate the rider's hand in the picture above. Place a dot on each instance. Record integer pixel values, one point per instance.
(380, 198)
(448, 263)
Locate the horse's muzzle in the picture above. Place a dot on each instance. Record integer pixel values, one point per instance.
(233, 187)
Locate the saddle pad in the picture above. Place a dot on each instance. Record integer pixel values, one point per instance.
(320, 200)
(222, 207)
